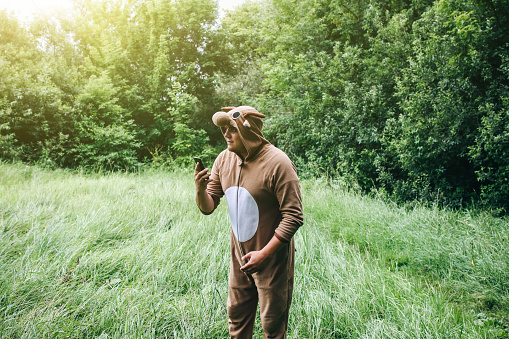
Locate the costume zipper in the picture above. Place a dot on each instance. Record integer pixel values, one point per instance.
(238, 192)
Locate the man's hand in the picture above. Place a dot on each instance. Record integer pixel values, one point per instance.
(256, 261)
(203, 199)
(201, 179)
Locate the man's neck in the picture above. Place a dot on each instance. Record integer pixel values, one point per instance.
(242, 155)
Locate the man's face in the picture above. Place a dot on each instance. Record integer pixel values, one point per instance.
(232, 137)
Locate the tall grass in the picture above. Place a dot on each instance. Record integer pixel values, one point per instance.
(466, 251)
(129, 255)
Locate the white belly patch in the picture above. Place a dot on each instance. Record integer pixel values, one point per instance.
(244, 216)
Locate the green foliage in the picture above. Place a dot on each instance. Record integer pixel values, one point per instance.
(91, 88)
(147, 48)
(7, 143)
(407, 98)
(441, 96)
(390, 95)
(186, 141)
(154, 46)
(436, 124)
(106, 137)
(490, 154)
(109, 147)
(34, 103)
(340, 90)
(32, 108)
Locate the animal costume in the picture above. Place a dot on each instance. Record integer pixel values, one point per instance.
(263, 196)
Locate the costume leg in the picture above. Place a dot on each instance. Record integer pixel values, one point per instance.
(242, 302)
(275, 294)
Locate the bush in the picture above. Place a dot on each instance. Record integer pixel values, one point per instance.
(490, 154)
(106, 138)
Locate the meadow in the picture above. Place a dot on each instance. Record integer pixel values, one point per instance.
(130, 256)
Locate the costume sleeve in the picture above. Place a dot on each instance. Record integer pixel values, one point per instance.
(287, 190)
(214, 188)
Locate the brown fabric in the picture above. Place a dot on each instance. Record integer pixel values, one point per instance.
(271, 179)
(267, 174)
(280, 238)
(263, 195)
(272, 289)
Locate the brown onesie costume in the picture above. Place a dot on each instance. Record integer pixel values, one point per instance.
(264, 200)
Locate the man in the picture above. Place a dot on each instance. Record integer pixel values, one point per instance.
(264, 202)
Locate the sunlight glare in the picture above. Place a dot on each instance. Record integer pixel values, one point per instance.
(28, 8)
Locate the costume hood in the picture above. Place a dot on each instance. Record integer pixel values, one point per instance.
(248, 122)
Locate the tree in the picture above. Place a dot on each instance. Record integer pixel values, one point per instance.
(442, 98)
(147, 48)
(33, 107)
(106, 135)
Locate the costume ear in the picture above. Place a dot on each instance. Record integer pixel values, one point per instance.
(221, 119)
(227, 109)
(254, 114)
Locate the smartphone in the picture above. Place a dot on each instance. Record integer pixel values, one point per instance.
(201, 167)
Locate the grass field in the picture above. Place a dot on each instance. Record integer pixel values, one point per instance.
(130, 256)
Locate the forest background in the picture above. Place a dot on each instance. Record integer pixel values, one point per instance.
(402, 98)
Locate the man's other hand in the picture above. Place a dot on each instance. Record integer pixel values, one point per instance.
(256, 261)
